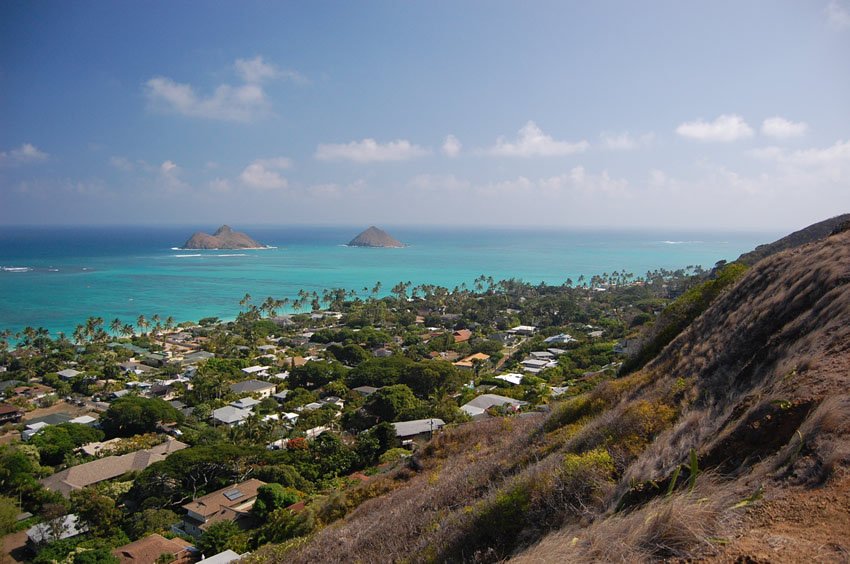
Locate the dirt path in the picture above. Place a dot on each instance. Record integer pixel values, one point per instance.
(799, 525)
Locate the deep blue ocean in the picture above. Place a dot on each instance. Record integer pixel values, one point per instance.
(57, 277)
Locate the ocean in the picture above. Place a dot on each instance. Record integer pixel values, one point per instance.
(56, 277)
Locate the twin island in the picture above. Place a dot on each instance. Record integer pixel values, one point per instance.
(226, 238)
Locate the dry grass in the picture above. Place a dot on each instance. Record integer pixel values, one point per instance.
(681, 526)
(745, 387)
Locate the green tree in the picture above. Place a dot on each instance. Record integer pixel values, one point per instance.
(55, 442)
(131, 415)
(315, 374)
(97, 511)
(148, 521)
(274, 496)
(394, 403)
(219, 537)
(8, 514)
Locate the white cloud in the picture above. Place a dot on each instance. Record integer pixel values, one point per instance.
(254, 70)
(781, 128)
(625, 141)
(220, 185)
(122, 163)
(577, 180)
(369, 150)
(435, 182)
(168, 167)
(169, 176)
(243, 103)
(333, 190)
(451, 146)
(726, 128)
(263, 174)
(532, 142)
(835, 155)
(838, 15)
(26, 153)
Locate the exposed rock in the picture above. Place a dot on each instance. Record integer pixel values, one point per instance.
(223, 238)
(374, 237)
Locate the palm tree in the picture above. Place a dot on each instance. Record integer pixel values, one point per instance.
(127, 330)
(245, 300)
(116, 325)
(142, 324)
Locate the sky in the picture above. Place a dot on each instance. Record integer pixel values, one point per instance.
(713, 115)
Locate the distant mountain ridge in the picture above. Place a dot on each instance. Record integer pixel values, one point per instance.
(808, 234)
(223, 238)
(374, 237)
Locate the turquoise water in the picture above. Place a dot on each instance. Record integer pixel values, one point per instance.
(57, 277)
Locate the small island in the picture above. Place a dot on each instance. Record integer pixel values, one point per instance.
(374, 237)
(224, 238)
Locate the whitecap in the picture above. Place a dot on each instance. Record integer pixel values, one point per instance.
(233, 255)
(16, 268)
(184, 256)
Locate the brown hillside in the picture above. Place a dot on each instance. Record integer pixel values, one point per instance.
(732, 445)
(809, 234)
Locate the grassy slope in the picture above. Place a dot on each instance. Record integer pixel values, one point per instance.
(756, 388)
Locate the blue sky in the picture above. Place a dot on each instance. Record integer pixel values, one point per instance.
(731, 115)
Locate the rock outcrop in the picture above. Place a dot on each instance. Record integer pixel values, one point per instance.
(223, 238)
(374, 237)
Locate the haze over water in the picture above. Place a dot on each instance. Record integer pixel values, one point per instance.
(57, 277)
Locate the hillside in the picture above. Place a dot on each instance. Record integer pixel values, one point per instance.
(730, 445)
(374, 237)
(811, 233)
(223, 238)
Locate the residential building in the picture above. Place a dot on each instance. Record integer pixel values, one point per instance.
(232, 503)
(420, 429)
(477, 408)
(152, 548)
(108, 467)
(230, 416)
(10, 413)
(253, 387)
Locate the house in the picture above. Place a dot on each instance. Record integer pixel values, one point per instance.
(225, 557)
(232, 503)
(420, 429)
(10, 413)
(470, 361)
(137, 368)
(245, 403)
(257, 370)
(108, 467)
(68, 374)
(462, 335)
(230, 416)
(382, 352)
(315, 432)
(281, 396)
(523, 330)
(93, 449)
(152, 548)
(512, 378)
(267, 349)
(477, 408)
(35, 425)
(534, 366)
(60, 528)
(560, 339)
(365, 390)
(253, 387)
(197, 356)
(541, 355)
(596, 334)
